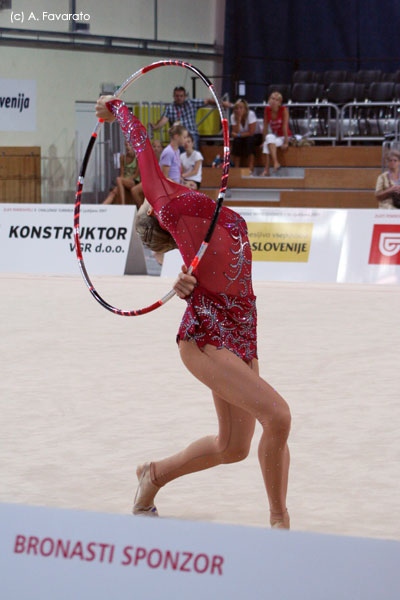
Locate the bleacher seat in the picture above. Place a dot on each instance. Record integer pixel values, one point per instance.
(361, 92)
(303, 77)
(388, 77)
(367, 76)
(334, 77)
(381, 91)
(306, 92)
(341, 92)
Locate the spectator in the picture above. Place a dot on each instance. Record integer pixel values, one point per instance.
(170, 161)
(276, 131)
(182, 111)
(157, 148)
(129, 177)
(191, 163)
(243, 122)
(387, 190)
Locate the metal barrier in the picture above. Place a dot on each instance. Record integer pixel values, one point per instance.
(369, 121)
(315, 120)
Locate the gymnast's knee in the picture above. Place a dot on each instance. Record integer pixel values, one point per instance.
(234, 452)
(279, 422)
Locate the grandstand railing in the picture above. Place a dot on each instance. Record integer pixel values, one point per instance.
(369, 121)
(315, 120)
(321, 120)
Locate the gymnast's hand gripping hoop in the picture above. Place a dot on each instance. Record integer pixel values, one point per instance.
(221, 194)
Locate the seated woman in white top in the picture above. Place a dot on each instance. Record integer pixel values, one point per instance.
(243, 122)
(192, 161)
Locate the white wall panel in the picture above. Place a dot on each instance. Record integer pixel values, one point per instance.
(178, 20)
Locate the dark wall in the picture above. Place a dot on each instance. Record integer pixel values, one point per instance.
(266, 41)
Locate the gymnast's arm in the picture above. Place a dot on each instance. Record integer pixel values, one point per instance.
(158, 190)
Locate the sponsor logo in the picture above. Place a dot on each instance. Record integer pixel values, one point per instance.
(88, 236)
(135, 556)
(280, 242)
(19, 102)
(385, 245)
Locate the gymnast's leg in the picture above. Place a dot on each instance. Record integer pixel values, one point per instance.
(241, 387)
(232, 444)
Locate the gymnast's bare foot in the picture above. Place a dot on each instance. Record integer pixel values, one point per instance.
(145, 493)
(280, 520)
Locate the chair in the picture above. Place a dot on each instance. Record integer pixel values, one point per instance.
(303, 77)
(341, 92)
(381, 91)
(306, 92)
(318, 77)
(388, 77)
(361, 92)
(368, 76)
(351, 76)
(397, 91)
(334, 77)
(375, 120)
(282, 88)
(305, 120)
(383, 116)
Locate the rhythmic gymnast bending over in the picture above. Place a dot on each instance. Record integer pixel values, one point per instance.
(217, 336)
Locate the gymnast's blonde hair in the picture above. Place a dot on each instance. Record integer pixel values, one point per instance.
(150, 231)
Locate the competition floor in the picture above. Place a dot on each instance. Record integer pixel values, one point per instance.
(86, 395)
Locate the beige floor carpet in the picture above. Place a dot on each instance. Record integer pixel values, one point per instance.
(86, 395)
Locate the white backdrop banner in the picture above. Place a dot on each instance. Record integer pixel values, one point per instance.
(50, 554)
(288, 244)
(17, 105)
(371, 247)
(319, 245)
(38, 238)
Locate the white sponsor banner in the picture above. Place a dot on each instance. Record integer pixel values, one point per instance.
(50, 554)
(288, 244)
(39, 238)
(17, 105)
(317, 245)
(371, 247)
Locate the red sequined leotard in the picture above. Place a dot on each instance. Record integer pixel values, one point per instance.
(221, 309)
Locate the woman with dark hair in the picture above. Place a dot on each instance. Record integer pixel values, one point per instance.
(217, 336)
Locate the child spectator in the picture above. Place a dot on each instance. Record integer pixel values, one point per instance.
(191, 161)
(170, 161)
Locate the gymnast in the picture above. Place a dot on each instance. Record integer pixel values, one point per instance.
(217, 336)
